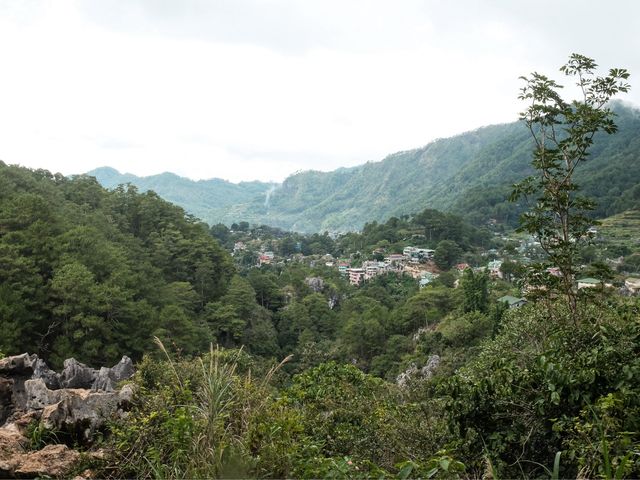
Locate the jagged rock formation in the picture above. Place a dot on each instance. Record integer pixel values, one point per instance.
(75, 403)
(315, 283)
(413, 373)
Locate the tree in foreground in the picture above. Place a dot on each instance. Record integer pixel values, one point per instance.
(563, 132)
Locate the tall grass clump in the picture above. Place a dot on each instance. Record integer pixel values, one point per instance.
(190, 418)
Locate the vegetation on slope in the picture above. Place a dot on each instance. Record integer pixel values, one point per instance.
(470, 174)
(92, 274)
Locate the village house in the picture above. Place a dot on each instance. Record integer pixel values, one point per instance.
(632, 285)
(513, 302)
(266, 258)
(588, 283)
(461, 267)
(426, 278)
(356, 275)
(342, 267)
(494, 268)
(417, 255)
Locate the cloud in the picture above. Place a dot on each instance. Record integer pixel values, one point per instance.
(248, 89)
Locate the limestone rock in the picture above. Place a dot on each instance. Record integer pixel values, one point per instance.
(77, 375)
(78, 401)
(432, 364)
(52, 461)
(17, 365)
(39, 396)
(51, 378)
(6, 398)
(84, 411)
(315, 283)
(412, 373)
(12, 443)
(108, 378)
(75, 409)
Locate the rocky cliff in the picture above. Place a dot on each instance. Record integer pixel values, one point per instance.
(70, 406)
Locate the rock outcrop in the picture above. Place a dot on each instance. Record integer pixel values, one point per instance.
(413, 373)
(74, 403)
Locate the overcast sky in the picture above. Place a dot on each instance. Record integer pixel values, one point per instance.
(259, 89)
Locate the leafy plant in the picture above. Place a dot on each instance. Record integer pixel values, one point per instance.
(39, 435)
(563, 132)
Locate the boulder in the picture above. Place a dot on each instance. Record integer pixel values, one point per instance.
(77, 401)
(18, 365)
(77, 375)
(75, 409)
(50, 378)
(16, 369)
(51, 461)
(12, 444)
(315, 283)
(83, 411)
(6, 398)
(39, 396)
(412, 373)
(123, 370)
(107, 379)
(432, 364)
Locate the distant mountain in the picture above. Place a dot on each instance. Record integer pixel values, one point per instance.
(470, 174)
(212, 200)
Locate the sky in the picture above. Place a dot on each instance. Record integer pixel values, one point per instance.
(260, 89)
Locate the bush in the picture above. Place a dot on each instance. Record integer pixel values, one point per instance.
(527, 395)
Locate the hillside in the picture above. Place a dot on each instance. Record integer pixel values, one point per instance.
(213, 200)
(470, 174)
(622, 229)
(93, 274)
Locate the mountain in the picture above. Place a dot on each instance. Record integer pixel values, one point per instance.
(470, 174)
(213, 200)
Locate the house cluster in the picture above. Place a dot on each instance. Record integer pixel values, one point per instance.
(368, 271)
(630, 287)
(406, 262)
(417, 255)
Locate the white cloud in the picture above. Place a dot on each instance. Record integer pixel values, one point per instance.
(257, 89)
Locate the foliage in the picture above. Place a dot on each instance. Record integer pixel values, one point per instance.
(353, 414)
(527, 394)
(469, 174)
(39, 435)
(475, 289)
(93, 274)
(564, 133)
(190, 418)
(447, 254)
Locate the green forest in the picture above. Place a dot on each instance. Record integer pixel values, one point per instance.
(311, 376)
(469, 174)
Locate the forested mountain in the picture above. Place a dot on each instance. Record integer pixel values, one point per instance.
(213, 200)
(94, 274)
(470, 174)
(385, 379)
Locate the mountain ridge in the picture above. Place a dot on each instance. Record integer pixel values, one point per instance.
(470, 174)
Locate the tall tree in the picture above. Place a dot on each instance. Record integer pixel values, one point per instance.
(563, 132)
(475, 288)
